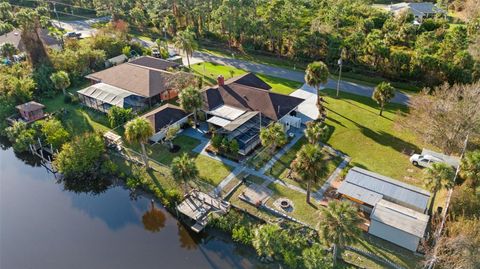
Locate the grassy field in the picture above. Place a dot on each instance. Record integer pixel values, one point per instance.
(211, 171)
(383, 249)
(307, 213)
(281, 167)
(210, 72)
(372, 141)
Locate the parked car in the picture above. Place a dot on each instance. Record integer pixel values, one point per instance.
(156, 53)
(72, 35)
(424, 160)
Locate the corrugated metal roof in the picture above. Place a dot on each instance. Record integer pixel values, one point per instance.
(240, 121)
(106, 93)
(218, 121)
(399, 217)
(359, 193)
(367, 182)
(227, 112)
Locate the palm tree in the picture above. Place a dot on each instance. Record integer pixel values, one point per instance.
(437, 177)
(316, 75)
(139, 130)
(338, 225)
(315, 132)
(61, 81)
(273, 136)
(170, 135)
(383, 93)
(308, 164)
(185, 40)
(191, 100)
(8, 50)
(470, 168)
(184, 169)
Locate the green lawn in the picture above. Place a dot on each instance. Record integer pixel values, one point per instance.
(77, 119)
(383, 249)
(281, 167)
(211, 171)
(372, 141)
(307, 213)
(210, 72)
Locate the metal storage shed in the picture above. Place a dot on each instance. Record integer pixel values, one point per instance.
(367, 187)
(397, 224)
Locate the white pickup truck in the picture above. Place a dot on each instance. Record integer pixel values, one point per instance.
(424, 160)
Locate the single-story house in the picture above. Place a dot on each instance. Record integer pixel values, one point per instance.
(400, 225)
(163, 117)
(103, 96)
(240, 106)
(147, 77)
(367, 189)
(419, 10)
(31, 111)
(15, 38)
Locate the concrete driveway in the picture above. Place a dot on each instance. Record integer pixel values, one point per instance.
(307, 110)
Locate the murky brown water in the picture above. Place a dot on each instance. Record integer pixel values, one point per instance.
(44, 226)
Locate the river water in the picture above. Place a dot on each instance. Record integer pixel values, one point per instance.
(42, 225)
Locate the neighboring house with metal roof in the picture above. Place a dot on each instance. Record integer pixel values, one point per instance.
(240, 106)
(146, 77)
(15, 38)
(400, 225)
(163, 117)
(367, 188)
(419, 10)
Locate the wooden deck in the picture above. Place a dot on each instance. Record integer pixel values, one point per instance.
(198, 205)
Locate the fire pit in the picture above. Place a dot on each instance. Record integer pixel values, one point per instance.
(284, 204)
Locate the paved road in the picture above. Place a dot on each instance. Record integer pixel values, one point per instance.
(345, 86)
(80, 26)
(85, 28)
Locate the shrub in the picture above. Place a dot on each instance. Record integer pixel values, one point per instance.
(118, 116)
(225, 144)
(67, 99)
(242, 234)
(217, 141)
(234, 147)
(80, 157)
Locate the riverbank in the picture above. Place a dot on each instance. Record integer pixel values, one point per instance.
(44, 224)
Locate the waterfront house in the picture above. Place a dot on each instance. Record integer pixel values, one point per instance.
(163, 117)
(240, 106)
(142, 82)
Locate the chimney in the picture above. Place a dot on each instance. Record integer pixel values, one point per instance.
(220, 80)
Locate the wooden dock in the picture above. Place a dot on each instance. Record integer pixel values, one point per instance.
(197, 206)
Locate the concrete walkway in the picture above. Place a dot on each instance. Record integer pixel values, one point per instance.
(282, 151)
(346, 86)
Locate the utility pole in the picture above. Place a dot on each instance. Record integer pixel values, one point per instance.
(438, 233)
(340, 62)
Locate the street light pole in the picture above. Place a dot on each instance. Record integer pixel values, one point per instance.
(164, 32)
(340, 62)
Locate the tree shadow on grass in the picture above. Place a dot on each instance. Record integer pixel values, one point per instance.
(385, 139)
